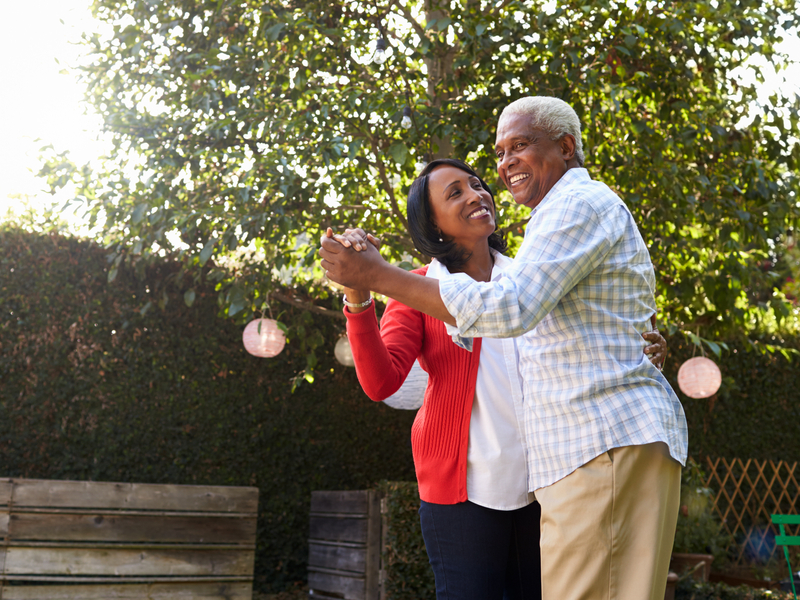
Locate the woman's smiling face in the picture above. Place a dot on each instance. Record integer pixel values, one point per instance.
(462, 210)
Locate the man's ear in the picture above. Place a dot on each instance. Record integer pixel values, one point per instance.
(567, 143)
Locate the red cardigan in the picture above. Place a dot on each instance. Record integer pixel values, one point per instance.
(440, 434)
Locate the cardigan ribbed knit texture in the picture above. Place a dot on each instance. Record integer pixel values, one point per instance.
(440, 434)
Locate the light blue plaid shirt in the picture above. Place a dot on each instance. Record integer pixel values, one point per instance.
(580, 293)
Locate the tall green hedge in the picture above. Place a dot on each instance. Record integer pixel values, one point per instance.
(756, 413)
(91, 389)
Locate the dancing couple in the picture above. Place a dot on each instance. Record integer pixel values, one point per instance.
(548, 450)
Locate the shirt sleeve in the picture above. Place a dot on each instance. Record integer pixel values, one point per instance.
(384, 357)
(565, 241)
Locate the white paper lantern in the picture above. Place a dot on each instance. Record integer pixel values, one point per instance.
(267, 342)
(699, 377)
(343, 353)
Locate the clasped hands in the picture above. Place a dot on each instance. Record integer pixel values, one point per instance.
(351, 258)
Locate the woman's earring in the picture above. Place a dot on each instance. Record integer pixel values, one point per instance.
(440, 239)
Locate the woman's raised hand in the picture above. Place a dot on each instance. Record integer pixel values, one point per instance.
(354, 238)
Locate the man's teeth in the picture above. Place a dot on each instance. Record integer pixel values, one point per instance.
(516, 178)
(479, 213)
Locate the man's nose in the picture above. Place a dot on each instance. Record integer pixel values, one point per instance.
(506, 160)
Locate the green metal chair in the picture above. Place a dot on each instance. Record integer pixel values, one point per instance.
(787, 540)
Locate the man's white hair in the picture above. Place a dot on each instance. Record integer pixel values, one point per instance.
(552, 115)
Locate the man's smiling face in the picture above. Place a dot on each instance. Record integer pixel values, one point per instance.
(528, 161)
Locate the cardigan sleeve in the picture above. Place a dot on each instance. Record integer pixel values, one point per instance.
(383, 357)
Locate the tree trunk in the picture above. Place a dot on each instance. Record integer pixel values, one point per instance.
(440, 72)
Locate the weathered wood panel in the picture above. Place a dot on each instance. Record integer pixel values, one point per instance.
(342, 529)
(3, 524)
(126, 562)
(351, 588)
(129, 528)
(155, 591)
(372, 585)
(340, 502)
(340, 558)
(5, 491)
(133, 496)
(344, 545)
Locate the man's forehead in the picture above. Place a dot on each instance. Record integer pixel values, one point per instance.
(514, 126)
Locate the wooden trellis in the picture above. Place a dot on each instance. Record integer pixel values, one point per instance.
(746, 493)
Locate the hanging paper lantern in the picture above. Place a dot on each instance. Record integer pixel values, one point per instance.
(699, 377)
(343, 353)
(266, 342)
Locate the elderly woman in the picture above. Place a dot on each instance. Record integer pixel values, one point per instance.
(479, 521)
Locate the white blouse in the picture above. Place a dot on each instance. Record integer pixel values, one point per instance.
(496, 465)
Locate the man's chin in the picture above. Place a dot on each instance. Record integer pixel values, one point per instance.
(522, 198)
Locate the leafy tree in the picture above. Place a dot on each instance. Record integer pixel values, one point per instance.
(241, 129)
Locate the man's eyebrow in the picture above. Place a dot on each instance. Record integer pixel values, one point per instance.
(528, 138)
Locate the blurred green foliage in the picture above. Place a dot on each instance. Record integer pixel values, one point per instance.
(755, 413)
(240, 130)
(408, 574)
(92, 389)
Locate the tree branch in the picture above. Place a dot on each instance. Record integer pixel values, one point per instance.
(320, 310)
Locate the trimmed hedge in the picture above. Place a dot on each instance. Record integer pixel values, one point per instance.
(756, 413)
(91, 389)
(408, 573)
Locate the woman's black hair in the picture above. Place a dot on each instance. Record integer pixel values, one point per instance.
(422, 228)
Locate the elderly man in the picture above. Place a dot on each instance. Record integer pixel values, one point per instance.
(605, 437)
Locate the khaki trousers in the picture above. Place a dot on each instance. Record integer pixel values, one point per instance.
(608, 527)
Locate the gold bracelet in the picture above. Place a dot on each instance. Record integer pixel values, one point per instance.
(367, 302)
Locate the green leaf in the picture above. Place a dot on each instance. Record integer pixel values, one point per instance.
(207, 251)
(188, 297)
(273, 32)
(237, 299)
(398, 152)
(138, 213)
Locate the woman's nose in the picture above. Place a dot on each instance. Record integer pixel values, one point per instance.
(474, 195)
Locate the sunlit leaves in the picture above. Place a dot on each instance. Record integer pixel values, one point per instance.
(242, 129)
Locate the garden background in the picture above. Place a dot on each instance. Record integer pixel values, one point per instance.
(239, 130)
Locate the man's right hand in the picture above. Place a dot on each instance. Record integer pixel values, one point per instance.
(348, 267)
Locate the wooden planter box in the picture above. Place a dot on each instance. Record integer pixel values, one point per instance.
(344, 546)
(698, 564)
(95, 540)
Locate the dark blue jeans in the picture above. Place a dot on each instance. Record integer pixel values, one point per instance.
(482, 554)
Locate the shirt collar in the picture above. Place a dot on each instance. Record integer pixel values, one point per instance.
(574, 175)
(437, 270)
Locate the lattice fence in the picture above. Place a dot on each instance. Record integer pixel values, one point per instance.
(747, 492)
